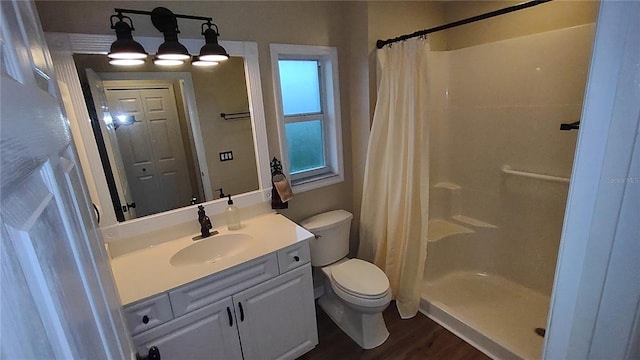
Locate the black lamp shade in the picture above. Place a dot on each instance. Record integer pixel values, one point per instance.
(171, 49)
(125, 47)
(126, 51)
(212, 51)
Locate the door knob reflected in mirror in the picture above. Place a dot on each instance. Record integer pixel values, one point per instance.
(126, 207)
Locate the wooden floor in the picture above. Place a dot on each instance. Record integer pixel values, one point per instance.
(415, 338)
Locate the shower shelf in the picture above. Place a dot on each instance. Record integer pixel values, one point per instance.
(440, 229)
(473, 222)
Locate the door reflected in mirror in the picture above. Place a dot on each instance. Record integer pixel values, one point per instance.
(162, 136)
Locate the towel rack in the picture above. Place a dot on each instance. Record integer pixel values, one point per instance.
(572, 126)
(235, 116)
(507, 170)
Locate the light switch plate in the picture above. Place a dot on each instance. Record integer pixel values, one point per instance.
(226, 156)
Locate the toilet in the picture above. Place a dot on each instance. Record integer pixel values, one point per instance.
(355, 291)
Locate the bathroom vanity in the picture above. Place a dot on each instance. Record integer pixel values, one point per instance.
(244, 294)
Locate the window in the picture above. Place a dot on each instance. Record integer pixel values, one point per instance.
(307, 105)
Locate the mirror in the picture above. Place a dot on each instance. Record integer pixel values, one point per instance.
(64, 46)
(158, 153)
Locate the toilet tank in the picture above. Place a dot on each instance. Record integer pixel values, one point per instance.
(331, 230)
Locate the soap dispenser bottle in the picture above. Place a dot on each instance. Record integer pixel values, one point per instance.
(231, 216)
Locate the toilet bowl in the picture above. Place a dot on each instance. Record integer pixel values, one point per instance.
(361, 284)
(355, 291)
(358, 313)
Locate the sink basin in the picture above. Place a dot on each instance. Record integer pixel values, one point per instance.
(212, 249)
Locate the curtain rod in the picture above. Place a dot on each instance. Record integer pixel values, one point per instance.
(381, 43)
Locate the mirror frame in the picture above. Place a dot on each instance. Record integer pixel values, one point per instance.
(62, 47)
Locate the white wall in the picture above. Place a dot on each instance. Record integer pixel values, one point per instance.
(310, 23)
(351, 26)
(504, 102)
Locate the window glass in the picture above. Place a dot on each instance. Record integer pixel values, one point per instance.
(300, 86)
(305, 145)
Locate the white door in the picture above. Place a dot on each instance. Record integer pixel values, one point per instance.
(277, 318)
(108, 131)
(58, 297)
(595, 306)
(152, 148)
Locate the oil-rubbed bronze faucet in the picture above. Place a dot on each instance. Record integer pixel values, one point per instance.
(205, 222)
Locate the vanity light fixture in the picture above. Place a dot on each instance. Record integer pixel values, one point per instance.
(167, 62)
(171, 52)
(212, 51)
(195, 61)
(125, 48)
(123, 119)
(107, 119)
(171, 49)
(127, 62)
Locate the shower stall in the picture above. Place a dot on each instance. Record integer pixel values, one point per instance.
(500, 170)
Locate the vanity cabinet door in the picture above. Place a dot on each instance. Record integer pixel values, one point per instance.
(207, 333)
(277, 319)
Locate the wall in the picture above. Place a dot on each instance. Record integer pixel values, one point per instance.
(503, 102)
(222, 89)
(351, 26)
(358, 90)
(545, 17)
(187, 138)
(310, 23)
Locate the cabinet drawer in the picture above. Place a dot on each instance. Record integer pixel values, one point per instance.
(148, 313)
(293, 256)
(225, 283)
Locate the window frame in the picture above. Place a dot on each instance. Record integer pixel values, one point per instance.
(327, 58)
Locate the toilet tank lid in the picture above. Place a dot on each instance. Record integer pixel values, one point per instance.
(326, 220)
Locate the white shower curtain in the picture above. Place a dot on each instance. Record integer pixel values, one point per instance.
(394, 213)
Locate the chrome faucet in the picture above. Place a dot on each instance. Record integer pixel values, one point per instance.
(205, 223)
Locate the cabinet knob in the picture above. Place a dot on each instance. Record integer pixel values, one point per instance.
(296, 258)
(153, 354)
(145, 319)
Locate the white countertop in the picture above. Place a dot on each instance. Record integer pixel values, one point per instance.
(147, 272)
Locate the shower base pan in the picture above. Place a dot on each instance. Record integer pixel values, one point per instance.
(497, 316)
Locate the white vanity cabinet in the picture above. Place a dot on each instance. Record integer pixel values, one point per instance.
(261, 309)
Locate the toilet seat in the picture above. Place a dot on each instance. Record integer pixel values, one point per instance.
(360, 279)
